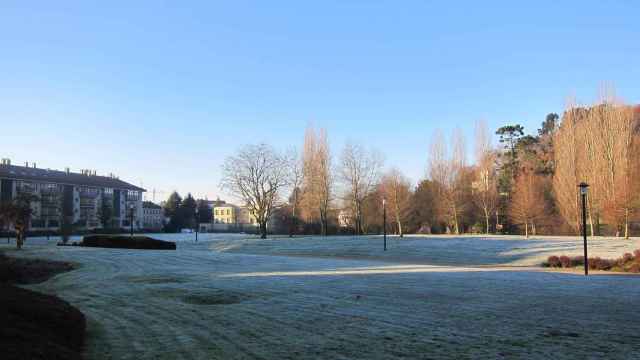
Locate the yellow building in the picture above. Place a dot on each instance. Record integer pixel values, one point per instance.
(233, 215)
(225, 214)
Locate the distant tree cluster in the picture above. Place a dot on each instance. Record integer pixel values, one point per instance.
(182, 212)
(527, 184)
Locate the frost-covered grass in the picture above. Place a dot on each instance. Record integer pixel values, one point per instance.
(435, 250)
(229, 297)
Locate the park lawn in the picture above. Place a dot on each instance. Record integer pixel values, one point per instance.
(233, 297)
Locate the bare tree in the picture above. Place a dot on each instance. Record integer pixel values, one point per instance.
(566, 176)
(447, 169)
(17, 213)
(360, 172)
(486, 181)
(324, 180)
(318, 178)
(613, 127)
(396, 189)
(257, 174)
(596, 145)
(527, 202)
(296, 180)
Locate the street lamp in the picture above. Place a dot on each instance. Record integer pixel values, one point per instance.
(583, 194)
(384, 221)
(197, 224)
(131, 218)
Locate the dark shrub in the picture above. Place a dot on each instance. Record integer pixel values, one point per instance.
(626, 263)
(126, 242)
(553, 261)
(600, 264)
(565, 261)
(577, 261)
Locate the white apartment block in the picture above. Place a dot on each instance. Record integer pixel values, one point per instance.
(80, 198)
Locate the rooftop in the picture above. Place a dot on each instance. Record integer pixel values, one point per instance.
(150, 205)
(86, 178)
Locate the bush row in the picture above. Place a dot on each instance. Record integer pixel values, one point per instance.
(627, 263)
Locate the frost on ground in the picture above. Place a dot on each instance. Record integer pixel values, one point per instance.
(232, 298)
(435, 250)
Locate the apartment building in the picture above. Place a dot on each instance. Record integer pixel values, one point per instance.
(84, 199)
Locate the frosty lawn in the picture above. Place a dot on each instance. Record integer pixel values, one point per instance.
(343, 298)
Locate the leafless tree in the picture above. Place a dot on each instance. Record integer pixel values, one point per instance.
(485, 183)
(596, 145)
(613, 126)
(566, 177)
(296, 173)
(318, 177)
(360, 172)
(396, 189)
(527, 203)
(257, 174)
(447, 168)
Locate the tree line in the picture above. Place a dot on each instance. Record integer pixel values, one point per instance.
(524, 183)
(185, 213)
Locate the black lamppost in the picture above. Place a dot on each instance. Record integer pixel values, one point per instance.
(384, 222)
(197, 224)
(131, 218)
(583, 193)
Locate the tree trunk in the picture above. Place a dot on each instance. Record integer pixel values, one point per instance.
(19, 239)
(455, 221)
(526, 230)
(626, 223)
(263, 230)
(323, 223)
(400, 229)
(486, 218)
(591, 226)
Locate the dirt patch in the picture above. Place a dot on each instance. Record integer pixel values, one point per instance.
(30, 271)
(558, 333)
(34, 325)
(202, 297)
(39, 326)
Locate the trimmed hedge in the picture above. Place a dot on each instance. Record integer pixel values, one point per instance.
(126, 242)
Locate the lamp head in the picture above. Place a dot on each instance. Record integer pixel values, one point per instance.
(583, 188)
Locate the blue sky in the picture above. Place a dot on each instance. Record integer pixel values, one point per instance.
(159, 93)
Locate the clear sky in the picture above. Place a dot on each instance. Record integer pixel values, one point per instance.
(160, 93)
